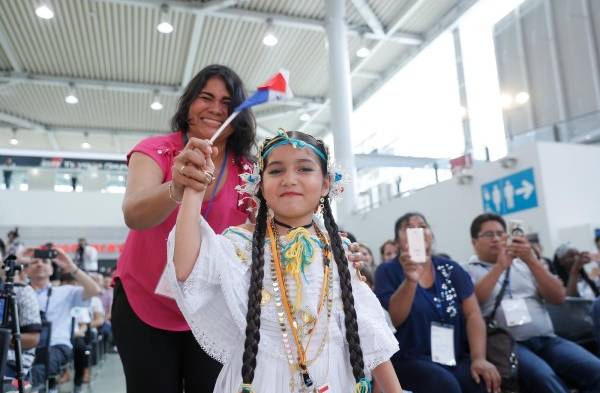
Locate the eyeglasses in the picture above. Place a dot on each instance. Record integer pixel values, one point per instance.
(491, 234)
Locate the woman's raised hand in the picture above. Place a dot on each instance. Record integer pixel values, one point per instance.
(412, 270)
(193, 167)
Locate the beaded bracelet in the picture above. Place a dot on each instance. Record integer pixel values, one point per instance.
(171, 194)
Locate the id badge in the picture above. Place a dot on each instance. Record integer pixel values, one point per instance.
(442, 344)
(516, 312)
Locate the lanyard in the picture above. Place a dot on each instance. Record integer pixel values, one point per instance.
(48, 293)
(436, 300)
(214, 191)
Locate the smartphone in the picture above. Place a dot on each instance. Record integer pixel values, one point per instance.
(45, 253)
(516, 228)
(416, 245)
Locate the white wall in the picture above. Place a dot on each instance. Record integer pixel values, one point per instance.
(571, 175)
(568, 192)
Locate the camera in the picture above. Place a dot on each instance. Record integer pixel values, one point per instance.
(46, 253)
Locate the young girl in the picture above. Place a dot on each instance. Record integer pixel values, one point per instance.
(276, 303)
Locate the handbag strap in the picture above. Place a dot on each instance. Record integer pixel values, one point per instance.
(500, 295)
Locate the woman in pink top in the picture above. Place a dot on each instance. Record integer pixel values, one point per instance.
(158, 351)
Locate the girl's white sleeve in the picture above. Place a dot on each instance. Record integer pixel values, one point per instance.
(214, 298)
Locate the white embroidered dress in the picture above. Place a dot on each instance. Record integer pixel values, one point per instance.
(214, 302)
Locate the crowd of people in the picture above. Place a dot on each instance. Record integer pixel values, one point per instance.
(64, 306)
(236, 278)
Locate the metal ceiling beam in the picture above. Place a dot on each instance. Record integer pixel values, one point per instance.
(25, 123)
(20, 121)
(221, 10)
(407, 12)
(99, 84)
(405, 15)
(367, 75)
(277, 113)
(393, 161)
(369, 16)
(9, 50)
(128, 87)
(313, 24)
(52, 140)
(192, 50)
(449, 20)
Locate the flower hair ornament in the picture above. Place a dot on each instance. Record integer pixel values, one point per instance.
(251, 177)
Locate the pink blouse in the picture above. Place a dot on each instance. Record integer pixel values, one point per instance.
(144, 255)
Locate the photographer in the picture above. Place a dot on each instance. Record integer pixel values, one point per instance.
(546, 361)
(56, 303)
(29, 323)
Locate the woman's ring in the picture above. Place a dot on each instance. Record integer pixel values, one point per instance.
(210, 178)
(181, 169)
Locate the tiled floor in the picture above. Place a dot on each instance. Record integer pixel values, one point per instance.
(107, 378)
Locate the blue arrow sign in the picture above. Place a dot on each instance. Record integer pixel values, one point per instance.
(510, 194)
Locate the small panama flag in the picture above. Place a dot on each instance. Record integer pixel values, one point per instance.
(275, 89)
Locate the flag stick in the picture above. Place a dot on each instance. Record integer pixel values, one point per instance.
(225, 124)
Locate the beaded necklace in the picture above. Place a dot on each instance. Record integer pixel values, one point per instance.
(285, 310)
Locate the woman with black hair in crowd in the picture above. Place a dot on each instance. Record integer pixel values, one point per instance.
(277, 302)
(158, 351)
(439, 325)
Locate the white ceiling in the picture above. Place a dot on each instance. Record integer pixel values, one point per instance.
(111, 52)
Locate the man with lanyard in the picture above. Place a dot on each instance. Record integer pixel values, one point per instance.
(544, 359)
(56, 304)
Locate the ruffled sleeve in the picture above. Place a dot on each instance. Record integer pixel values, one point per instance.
(214, 298)
(377, 340)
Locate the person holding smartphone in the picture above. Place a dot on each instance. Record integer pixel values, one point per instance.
(55, 303)
(433, 307)
(579, 274)
(545, 360)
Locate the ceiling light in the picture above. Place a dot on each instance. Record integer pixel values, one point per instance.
(522, 98)
(44, 11)
(71, 98)
(156, 105)
(86, 144)
(14, 141)
(270, 39)
(305, 117)
(363, 52)
(164, 26)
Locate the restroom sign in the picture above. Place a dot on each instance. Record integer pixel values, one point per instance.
(510, 194)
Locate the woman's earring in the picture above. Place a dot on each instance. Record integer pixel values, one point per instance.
(321, 203)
